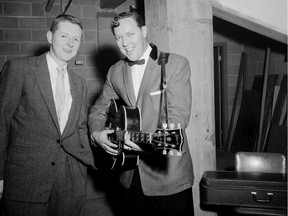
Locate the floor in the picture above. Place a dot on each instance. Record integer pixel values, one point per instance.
(101, 206)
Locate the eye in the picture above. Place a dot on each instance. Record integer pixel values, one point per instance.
(117, 38)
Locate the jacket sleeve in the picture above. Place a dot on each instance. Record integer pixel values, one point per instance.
(179, 91)
(10, 93)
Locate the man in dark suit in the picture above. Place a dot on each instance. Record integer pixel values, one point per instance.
(160, 184)
(44, 145)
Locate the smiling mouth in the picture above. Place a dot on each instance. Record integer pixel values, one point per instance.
(129, 50)
(67, 51)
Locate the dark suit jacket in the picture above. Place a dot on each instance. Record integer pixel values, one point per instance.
(159, 174)
(30, 139)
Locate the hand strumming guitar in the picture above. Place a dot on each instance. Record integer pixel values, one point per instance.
(100, 138)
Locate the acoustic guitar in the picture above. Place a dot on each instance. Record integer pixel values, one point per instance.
(123, 119)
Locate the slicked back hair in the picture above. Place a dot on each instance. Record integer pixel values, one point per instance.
(115, 22)
(64, 18)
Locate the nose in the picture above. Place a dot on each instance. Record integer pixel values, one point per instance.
(125, 41)
(70, 42)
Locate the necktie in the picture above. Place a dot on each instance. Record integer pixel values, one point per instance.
(60, 93)
(138, 62)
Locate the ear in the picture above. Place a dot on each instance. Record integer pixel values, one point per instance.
(144, 31)
(49, 37)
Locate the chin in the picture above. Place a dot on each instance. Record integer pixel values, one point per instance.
(69, 57)
(132, 58)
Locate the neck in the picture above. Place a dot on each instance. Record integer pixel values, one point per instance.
(61, 64)
(145, 48)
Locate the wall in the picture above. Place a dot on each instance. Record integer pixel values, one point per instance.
(272, 14)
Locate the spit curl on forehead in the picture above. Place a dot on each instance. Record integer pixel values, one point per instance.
(134, 15)
(64, 18)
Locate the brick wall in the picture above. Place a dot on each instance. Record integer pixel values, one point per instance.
(24, 24)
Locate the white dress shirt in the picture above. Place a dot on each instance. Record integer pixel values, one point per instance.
(137, 71)
(52, 67)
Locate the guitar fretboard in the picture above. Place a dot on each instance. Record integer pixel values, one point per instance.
(135, 136)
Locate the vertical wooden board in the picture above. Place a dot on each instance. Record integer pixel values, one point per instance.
(283, 113)
(218, 98)
(263, 99)
(237, 101)
(280, 102)
(276, 92)
(272, 81)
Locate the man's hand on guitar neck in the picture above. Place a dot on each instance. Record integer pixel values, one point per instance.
(100, 138)
(129, 145)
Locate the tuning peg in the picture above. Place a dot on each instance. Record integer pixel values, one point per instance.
(179, 126)
(164, 152)
(171, 126)
(179, 153)
(171, 152)
(164, 125)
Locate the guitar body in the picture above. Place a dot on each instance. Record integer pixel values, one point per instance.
(120, 119)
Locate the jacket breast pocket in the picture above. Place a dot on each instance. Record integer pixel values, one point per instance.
(158, 92)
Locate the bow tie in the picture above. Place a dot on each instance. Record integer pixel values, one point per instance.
(138, 62)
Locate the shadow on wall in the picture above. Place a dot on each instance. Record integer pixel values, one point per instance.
(101, 60)
(40, 50)
(106, 56)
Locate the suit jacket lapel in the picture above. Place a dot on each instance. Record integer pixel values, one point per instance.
(43, 78)
(148, 75)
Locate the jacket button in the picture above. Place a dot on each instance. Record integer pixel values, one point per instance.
(58, 140)
(52, 163)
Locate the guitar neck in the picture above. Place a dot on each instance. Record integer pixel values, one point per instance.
(135, 136)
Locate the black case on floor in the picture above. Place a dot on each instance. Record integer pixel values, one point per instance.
(229, 188)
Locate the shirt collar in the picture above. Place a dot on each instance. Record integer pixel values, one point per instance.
(52, 65)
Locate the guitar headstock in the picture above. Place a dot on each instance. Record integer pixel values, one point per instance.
(168, 139)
